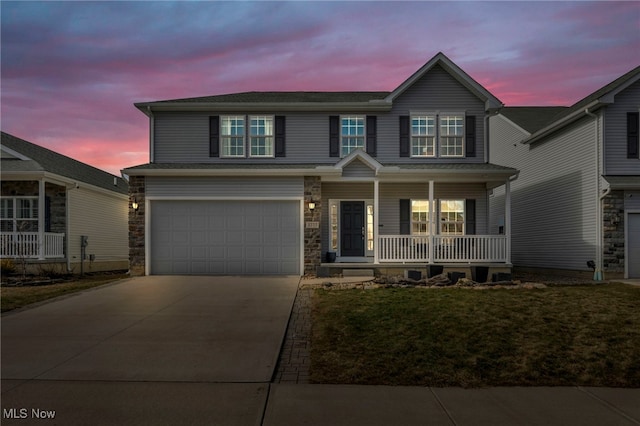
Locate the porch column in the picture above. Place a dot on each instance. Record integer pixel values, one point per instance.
(432, 227)
(41, 217)
(376, 210)
(507, 218)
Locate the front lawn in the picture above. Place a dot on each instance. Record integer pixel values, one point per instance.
(14, 297)
(558, 336)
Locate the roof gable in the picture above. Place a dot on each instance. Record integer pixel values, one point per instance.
(491, 102)
(43, 159)
(532, 119)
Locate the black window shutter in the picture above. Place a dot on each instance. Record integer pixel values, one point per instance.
(404, 136)
(470, 217)
(405, 217)
(214, 136)
(470, 136)
(372, 135)
(334, 136)
(280, 135)
(633, 128)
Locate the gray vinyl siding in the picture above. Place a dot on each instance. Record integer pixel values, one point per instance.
(392, 193)
(183, 137)
(232, 187)
(632, 200)
(615, 146)
(554, 198)
(436, 91)
(357, 169)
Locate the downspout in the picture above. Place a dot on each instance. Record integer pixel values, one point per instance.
(598, 274)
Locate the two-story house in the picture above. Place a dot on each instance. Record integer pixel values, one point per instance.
(577, 198)
(302, 182)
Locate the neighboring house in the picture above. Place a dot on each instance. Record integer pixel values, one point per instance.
(280, 182)
(577, 198)
(49, 201)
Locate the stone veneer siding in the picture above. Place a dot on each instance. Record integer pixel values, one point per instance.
(312, 238)
(613, 232)
(136, 226)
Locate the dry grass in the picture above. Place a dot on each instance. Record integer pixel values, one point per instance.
(577, 335)
(19, 296)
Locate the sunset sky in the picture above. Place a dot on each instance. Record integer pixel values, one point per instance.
(71, 71)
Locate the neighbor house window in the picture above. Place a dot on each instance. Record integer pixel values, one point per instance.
(232, 131)
(261, 136)
(452, 217)
(420, 217)
(423, 136)
(19, 214)
(451, 135)
(351, 134)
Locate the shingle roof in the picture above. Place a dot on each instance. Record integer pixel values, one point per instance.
(534, 118)
(43, 159)
(283, 97)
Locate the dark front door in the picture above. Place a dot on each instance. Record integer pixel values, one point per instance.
(352, 228)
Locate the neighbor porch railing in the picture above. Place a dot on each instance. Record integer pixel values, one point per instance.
(444, 248)
(27, 245)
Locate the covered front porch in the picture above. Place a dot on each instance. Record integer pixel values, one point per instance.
(412, 216)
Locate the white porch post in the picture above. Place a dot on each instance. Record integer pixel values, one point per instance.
(41, 214)
(376, 210)
(507, 218)
(431, 221)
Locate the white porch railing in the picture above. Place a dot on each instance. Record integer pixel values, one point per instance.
(451, 249)
(27, 245)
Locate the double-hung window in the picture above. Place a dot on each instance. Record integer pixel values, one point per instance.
(261, 136)
(351, 134)
(451, 135)
(452, 217)
(19, 214)
(437, 134)
(423, 136)
(240, 135)
(419, 217)
(232, 131)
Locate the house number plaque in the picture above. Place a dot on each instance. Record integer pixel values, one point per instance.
(313, 225)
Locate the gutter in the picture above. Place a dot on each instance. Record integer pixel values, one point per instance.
(152, 136)
(376, 105)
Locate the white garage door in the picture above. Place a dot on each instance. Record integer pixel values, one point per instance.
(633, 245)
(225, 237)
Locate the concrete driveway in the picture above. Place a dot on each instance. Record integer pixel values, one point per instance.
(149, 350)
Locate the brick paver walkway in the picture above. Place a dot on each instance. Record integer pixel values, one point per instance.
(295, 356)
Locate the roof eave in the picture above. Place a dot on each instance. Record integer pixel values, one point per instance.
(374, 105)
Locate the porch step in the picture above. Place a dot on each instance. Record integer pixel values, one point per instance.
(357, 273)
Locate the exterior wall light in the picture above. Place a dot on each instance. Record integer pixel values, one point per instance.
(312, 206)
(134, 205)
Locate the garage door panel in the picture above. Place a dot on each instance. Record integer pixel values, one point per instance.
(225, 237)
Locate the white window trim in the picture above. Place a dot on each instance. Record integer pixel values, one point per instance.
(223, 136)
(246, 136)
(464, 215)
(411, 216)
(464, 132)
(438, 134)
(364, 133)
(15, 219)
(272, 136)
